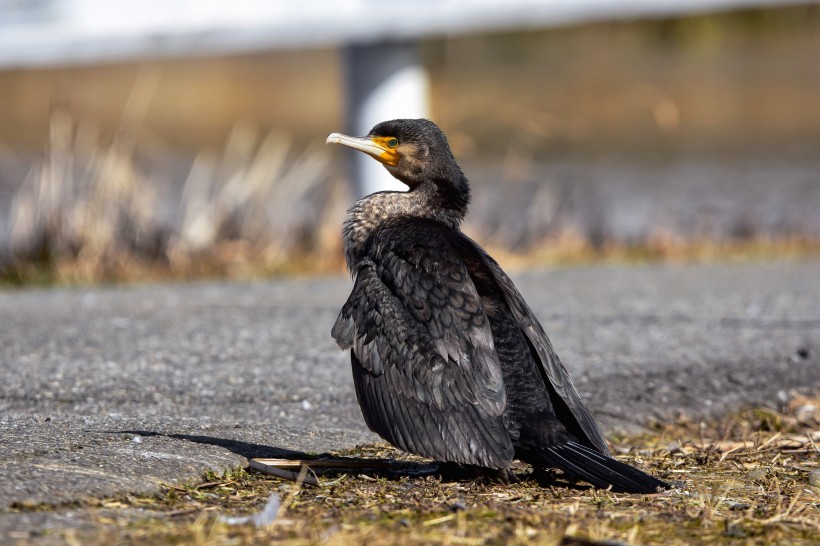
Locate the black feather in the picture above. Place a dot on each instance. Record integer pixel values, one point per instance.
(599, 470)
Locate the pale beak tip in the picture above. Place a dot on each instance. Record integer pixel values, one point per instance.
(333, 138)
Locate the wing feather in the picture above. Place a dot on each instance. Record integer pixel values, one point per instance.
(551, 365)
(426, 373)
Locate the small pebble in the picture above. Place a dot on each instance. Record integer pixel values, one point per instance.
(137, 439)
(734, 532)
(814, 478)
(458, 506)
(756, 475)
(27, 504)
(805, 413)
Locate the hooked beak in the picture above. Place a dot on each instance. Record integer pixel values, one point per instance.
(375, 147)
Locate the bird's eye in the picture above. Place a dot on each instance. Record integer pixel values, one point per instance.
(392, 143)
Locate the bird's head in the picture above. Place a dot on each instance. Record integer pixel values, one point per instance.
(412, 150)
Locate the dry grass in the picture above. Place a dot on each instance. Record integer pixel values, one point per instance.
(740, 480)
(573, 249)
(89, 212)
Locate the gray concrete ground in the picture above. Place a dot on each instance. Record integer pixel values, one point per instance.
(107, 391)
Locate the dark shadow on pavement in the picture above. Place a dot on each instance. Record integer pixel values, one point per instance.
(447, 472)
(243, 449)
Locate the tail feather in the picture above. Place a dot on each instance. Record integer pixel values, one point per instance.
(600, 470)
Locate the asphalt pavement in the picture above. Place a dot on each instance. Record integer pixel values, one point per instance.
(116, 390)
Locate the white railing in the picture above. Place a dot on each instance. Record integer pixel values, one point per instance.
(384, 75)
(60, 32)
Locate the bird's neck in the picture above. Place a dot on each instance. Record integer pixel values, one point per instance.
(425, 201)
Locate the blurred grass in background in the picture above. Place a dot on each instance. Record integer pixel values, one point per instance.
(692, 138)
(89, 212)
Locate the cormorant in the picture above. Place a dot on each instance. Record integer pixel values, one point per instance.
(448, 360)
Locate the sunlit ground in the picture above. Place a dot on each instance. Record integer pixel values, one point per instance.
(749, 478)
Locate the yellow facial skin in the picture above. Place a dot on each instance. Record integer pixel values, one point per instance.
(383, 149)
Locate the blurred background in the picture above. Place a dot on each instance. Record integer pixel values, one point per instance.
(152, 140)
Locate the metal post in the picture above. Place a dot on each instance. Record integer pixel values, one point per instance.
(384, 81)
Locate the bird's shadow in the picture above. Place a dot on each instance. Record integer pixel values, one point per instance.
(394, 470)
(243, 449)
